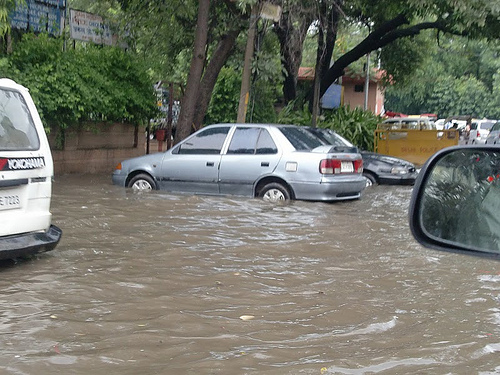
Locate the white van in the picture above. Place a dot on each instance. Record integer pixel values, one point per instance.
(26, 172)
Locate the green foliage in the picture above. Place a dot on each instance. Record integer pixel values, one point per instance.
(225, 98)
(296, 113)
(356, 125)
(5, 7)
(91, 83)
(261, 106)
(458, 78)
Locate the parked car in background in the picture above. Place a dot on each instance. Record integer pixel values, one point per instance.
(377, 168)
(26, 172)
(274, 162)
(479, 130)
(494, 135)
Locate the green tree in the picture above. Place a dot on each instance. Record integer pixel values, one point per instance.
(457, 78)
(90, 83)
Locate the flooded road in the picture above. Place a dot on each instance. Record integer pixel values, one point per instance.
(168, 284)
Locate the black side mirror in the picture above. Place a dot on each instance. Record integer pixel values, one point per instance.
(455, 205)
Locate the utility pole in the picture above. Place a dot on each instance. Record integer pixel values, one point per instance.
(247, 67)
(367, 81)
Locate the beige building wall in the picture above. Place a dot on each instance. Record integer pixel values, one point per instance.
(354, 98)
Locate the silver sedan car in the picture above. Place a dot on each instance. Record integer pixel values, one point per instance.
(273, 162)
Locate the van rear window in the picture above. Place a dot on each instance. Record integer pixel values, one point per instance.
(17, 129)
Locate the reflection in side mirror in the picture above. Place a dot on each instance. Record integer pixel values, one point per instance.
(456, 201)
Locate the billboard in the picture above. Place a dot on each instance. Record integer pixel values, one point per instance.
(90, 27)
(39, 16)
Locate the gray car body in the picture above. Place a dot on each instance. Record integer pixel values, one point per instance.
(244, 174)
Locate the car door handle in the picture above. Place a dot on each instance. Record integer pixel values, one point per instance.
(264, 164)
(210, 163)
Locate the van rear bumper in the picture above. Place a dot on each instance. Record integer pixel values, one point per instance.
(26, 244)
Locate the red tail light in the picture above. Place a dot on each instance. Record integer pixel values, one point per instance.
(478, 134)
(358, 165)
(338, 166)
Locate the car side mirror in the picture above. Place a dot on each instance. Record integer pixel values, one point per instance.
(455, 205)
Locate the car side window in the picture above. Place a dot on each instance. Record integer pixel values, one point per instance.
(252, 141)
(244, 141)
(265, 144)
(209, 141)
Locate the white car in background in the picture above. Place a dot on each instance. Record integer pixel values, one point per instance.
(479, 130)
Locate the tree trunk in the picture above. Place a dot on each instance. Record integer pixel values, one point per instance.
(291, 41)
(219, 58)
(189, 101)
(314, 104)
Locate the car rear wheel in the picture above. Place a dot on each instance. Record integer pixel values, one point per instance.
(274, 192)
(142, 182)
(370, 179)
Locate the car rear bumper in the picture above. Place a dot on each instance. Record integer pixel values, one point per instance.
(26, 244)
(330, 190)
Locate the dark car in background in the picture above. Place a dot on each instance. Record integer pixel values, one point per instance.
(377, 168)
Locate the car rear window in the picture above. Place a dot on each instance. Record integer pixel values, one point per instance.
(487, 125)
(300, 138)
(17, 129)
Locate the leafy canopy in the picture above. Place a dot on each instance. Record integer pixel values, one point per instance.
(90, 83)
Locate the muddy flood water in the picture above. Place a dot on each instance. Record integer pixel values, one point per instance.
(169, 284)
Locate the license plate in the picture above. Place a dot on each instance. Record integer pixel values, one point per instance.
(8, 202)
(346, 167)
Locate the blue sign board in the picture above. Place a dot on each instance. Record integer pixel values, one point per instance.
(39, 16)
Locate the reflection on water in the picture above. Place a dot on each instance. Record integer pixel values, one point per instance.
(157, 283)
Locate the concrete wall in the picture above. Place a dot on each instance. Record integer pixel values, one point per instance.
(95, 147)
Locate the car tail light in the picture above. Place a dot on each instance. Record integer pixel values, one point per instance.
(338, 166)
(358, 165)
(478, 135)
(119, 167)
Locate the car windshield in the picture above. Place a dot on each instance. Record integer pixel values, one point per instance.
(300, 138)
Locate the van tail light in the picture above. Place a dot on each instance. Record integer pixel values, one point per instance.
(478, 135)
(338, 166)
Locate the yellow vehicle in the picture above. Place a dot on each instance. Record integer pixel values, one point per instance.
(413, 122)
(413, 138)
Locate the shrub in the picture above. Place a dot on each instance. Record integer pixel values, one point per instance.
(356, 125)
(91, 83)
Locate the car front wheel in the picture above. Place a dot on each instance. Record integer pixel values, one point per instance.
(274, 192)
(142, 182)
